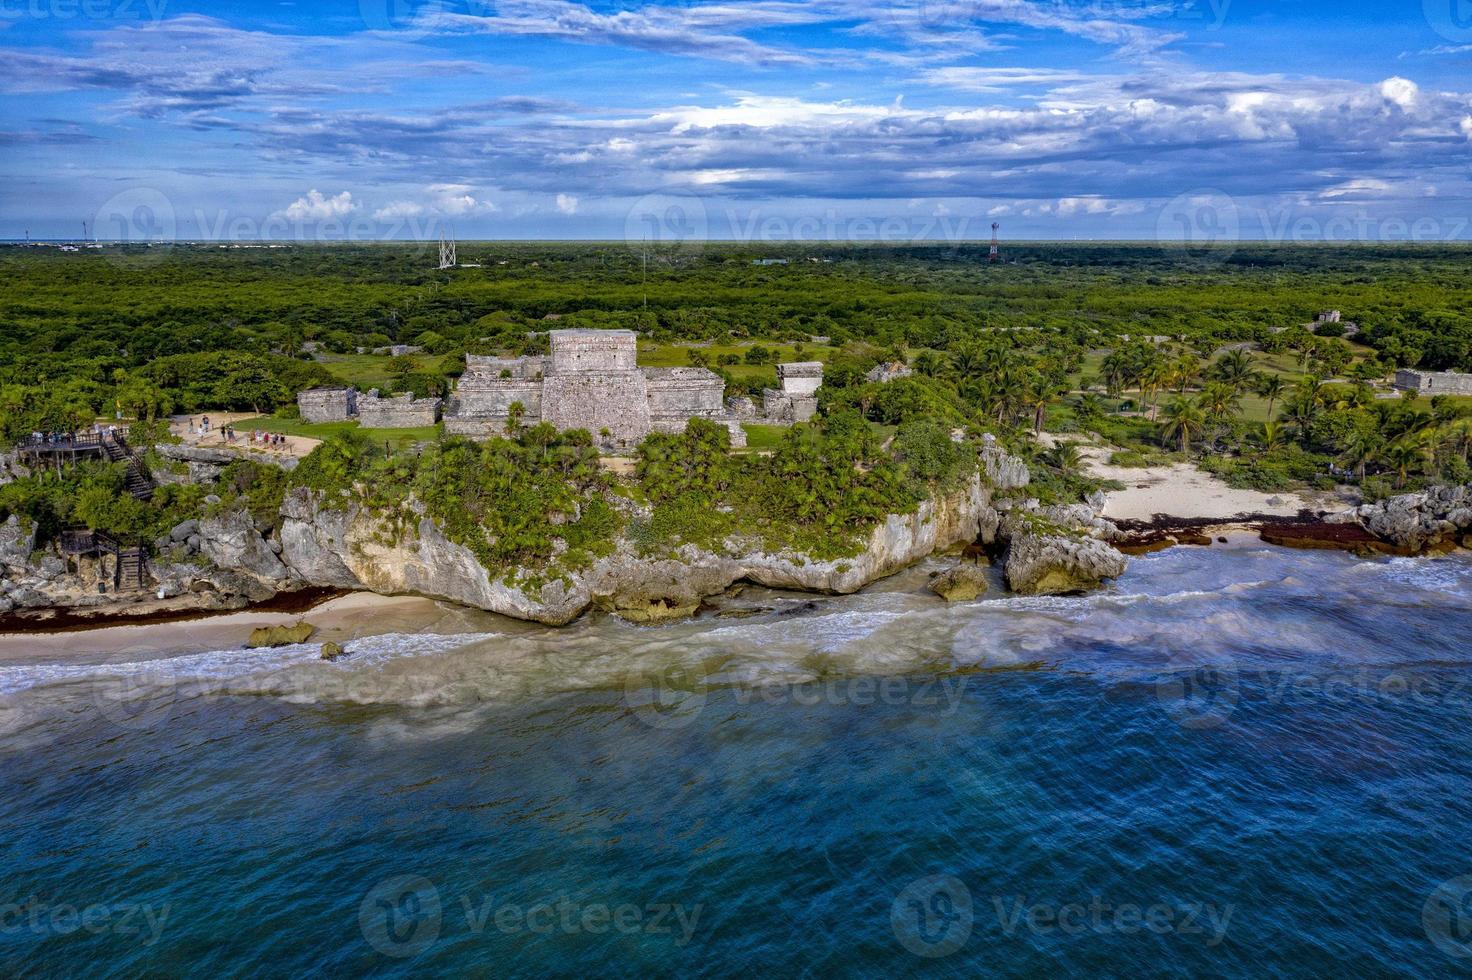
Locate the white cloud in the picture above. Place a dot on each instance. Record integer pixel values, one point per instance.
(567, 204)
(315, 207)
(1401, 91)
(398, 210)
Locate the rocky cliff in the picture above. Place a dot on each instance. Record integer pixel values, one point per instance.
(326, 544)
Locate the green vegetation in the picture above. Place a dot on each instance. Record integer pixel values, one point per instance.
(1158, 355)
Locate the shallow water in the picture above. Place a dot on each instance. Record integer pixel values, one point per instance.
(1240, 760)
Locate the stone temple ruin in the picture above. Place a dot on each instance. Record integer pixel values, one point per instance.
(797, 401)
(589, 381)
(372, 412)
(1434, 382)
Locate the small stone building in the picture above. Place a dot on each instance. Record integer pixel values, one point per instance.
(889, 371)
(399, 412)
(797, 401)
(335, 404)
(1434, 382)
(590, 380)
(1327, 316)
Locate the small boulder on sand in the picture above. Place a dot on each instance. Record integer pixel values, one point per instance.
(280, 636)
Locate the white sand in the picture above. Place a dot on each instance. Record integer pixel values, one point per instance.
(344, 618)
(1183, 491)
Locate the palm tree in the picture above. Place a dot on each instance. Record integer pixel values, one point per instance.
(1185, 369)
(1065, 458)
(1153, 379)
(1184, 418)
(1362, 447)
(1271, 435)
(1234, 368)
(1271, 387)
(1406, 453)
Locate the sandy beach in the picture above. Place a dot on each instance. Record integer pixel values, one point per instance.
(345, 618)
(1183, 491)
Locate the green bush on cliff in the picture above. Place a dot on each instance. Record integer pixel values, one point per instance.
(510, 500)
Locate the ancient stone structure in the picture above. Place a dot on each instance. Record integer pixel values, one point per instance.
(889, 371)
(336, 404)
(797, 401)
(591, 380)
(1434, 382)
(1328, 316)
(399, 412)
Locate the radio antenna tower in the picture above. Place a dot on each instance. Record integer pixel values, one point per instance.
(996, 253)
(447, 249)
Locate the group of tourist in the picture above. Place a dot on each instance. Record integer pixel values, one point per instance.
(228, 433)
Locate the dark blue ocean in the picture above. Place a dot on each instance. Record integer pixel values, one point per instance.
(1237, 761)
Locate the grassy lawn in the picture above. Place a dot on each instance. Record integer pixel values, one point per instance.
(365, 371)
(762, 437)
(397, 438)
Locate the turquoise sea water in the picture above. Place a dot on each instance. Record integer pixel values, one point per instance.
(1241, 761)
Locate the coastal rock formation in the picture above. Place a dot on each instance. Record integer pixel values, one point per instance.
(1046, 559)
(231, 541)
(348, 548)
(17, 541)
(1415, 521)
(960, 584)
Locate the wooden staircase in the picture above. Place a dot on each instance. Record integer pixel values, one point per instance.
(130, 565)
(139, 482)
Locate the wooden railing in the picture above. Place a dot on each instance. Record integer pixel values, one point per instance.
(128, 563)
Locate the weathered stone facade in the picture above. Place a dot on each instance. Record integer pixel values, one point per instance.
(1434, 382)
(327, 404)
(798, 399)
(591, 380)
(889, 371)
(398, 412)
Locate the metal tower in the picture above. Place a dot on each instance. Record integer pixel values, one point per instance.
(996, 253)
(447, 250)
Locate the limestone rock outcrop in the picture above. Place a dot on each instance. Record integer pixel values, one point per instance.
(960, 584)
(1416, 521)
(1047, 559)
(231, 541)
(334, 543)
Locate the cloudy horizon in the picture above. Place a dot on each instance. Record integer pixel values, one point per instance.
(768, 121)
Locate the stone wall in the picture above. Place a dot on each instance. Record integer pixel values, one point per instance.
(1435, 382)
(327, 404)
(398, 412)
(593, 350)
(684, 393)
(615, 402)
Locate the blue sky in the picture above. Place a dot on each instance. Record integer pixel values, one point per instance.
(763, 120)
